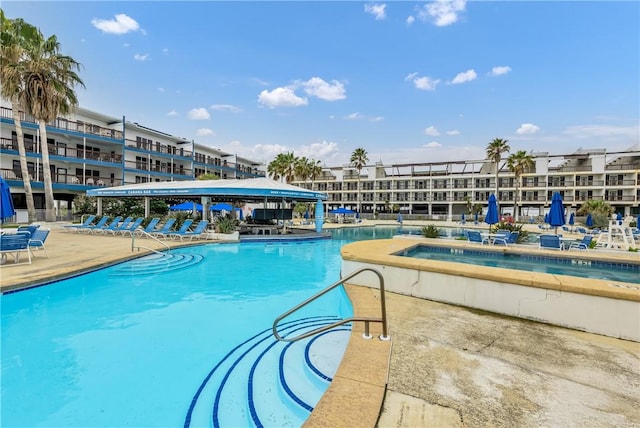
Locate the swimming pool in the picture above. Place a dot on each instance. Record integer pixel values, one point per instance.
(149, 342)
(573, 266)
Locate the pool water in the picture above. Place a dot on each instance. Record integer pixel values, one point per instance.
(623, 272)
(130, 345)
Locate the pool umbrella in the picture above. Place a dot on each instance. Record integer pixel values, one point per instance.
(462, 219)
(571, 220)
(492, 216)
(399, 219)
(306, 215)
(342, 210)
(619, 218)
(186, 206)
(556, 212)
(546, 218)
(638, 221)
(6, 202)
(589, 220)
(476, 218)
(221, 206)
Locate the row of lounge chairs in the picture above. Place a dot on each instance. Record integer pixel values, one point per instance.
(129, 227)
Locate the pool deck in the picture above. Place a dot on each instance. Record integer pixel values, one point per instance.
(445, 366)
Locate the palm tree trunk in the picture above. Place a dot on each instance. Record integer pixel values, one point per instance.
(358, 195)
(515, 201)
(31, 207)
(50, 214)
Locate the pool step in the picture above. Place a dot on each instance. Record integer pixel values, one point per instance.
(156, 263)
(296, 374)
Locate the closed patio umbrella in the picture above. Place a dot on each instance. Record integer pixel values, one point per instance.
(6, 202)
(399, 219)
(462, 219)
(572, 220)
(619, 218)
(589, 220)
(492, 216)
(556, 212)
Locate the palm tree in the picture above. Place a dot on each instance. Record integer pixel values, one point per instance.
(518, 163)
(283, 166)
(495, 149)
(302, 168)
(15, 36)
(359, 159)
(600, 211)
(49, 79)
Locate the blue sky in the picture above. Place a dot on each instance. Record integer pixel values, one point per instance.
(407, 81)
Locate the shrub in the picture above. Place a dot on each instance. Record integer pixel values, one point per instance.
(226, 225)
(512, 227)
(430, 231)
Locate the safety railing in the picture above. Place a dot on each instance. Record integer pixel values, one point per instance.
(366, 320)
(147, 234)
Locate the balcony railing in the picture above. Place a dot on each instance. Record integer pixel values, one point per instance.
(65, 152)
(57, 178)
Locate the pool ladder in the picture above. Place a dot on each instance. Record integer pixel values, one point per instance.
(143, 233)
(366, 320)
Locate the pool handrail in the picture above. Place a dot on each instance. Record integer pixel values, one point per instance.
(383, 309)
(145, 233)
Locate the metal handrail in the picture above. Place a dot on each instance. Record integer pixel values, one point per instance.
(142, 232)
(367, 320)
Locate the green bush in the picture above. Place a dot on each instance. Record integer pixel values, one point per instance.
(512, 227)
(430, 231)
(226, 225)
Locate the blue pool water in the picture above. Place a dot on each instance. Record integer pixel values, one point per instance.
(141, 343)
(623, 272)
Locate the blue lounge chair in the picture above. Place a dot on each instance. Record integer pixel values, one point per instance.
(13, 244)
(36, 242)
(114, 223)
(475, 236)
(184, 228)
(75, 227)
(197, 232)
(550, 242)
(115, 226)
(101, 223)
(131, 228)
(28, 229)
(166, 228)
(583, 244)
(151, 227)
(512, 238)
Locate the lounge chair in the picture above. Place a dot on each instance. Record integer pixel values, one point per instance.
(475, 236)
(75, 227)
(583, 244)
(36, 242)
(28, 229)
(115, 226)
(13, 244)
(512, 238)
(165, 229)
(101, 223)
(184, 228)
(197, 232)
(550, 242)
(114, 223)
(131, 228)
(151, 227)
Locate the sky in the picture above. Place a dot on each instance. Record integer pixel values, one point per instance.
(407, 81)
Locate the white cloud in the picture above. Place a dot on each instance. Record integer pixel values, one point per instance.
(267, 151)
(122, 24)
(500, 70)
(442, 12)
(319, 88)
(603, 131)
(165, 51)
(205, 132)
(527, 129)
(281, 97)
(424, 83)
(453, 132)
(161, 90)
(319, 151)
(140, 57)
(464, 77)
(410, 20)
(200, 113)
(226, 107)
(431, 131)
(376, 119)
(353, 116)
(377, 10)
(172, 113)
(432, 145)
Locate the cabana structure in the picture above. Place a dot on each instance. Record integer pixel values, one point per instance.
(254, 190)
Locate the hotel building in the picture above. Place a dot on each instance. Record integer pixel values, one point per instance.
(446, 190)
(89, 149)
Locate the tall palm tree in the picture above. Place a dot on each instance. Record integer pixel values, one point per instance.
(283, 166)
(518, 163)
(15, 36)
(49, 80)
(495, 149)
(359, 159)
(302, 168)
